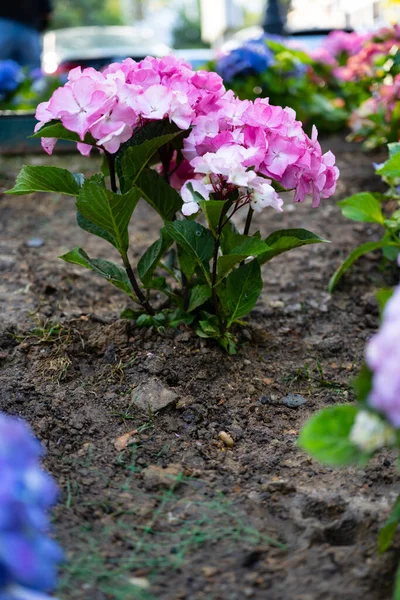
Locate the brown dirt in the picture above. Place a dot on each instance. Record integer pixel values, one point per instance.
(177, 508)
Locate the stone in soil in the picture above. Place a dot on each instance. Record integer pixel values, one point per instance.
(153, 395)
(293, 400)
(156, 477)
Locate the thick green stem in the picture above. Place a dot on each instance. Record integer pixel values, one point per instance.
(248, 221)
(128, 268)
(215, 260)
(111, 168)
(186, 295)
(166, 152)
(247, 225)
(135, 286)
(217, 243)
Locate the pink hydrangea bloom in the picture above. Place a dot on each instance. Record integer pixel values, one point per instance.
(384, 101)
(362, 65)
(322, 55)
(255, 139)
(338, 42)
(112, 104)
(234, 146)
(383, 358)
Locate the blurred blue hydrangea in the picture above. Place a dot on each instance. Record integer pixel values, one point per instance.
(253, 57)
(11, 75)
(299, 69)
(28, 557)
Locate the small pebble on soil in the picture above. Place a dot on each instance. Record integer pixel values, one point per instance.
(293, 400)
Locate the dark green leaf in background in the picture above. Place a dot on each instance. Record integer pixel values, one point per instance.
(362, 384)
(362, 207)
(284, 240)
(391, 168)
(351, 259)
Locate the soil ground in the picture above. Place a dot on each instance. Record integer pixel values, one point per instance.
(176, 514)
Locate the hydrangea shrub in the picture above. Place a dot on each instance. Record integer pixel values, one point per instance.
(367, 84)
(11, 76)
(21, 89)
(192, 150)
(352, 433)
(377, 120)
(28, 556)
(367, 207)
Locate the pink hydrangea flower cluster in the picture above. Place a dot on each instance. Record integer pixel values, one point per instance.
(385, 100)
(244, 145)
(233, 145)
(391, 32)
(383, 358)
(110, 105)
(322, 55)
(363, 64)
(341, 42)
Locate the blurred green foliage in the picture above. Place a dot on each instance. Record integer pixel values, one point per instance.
(74, 13)
(187, 31)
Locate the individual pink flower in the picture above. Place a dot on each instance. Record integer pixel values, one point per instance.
(281, 153)
(154, 103)
(43, 115)
(76, 104)
(113, 128)
(180, 111)
(209, 81)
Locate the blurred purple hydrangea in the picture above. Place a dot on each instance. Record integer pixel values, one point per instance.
(253, 57)
(11, 75)
(383, 358)
(28, 557)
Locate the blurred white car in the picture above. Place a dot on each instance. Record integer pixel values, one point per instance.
(64, 49)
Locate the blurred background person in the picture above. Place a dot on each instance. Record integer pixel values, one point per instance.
(21, 24)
